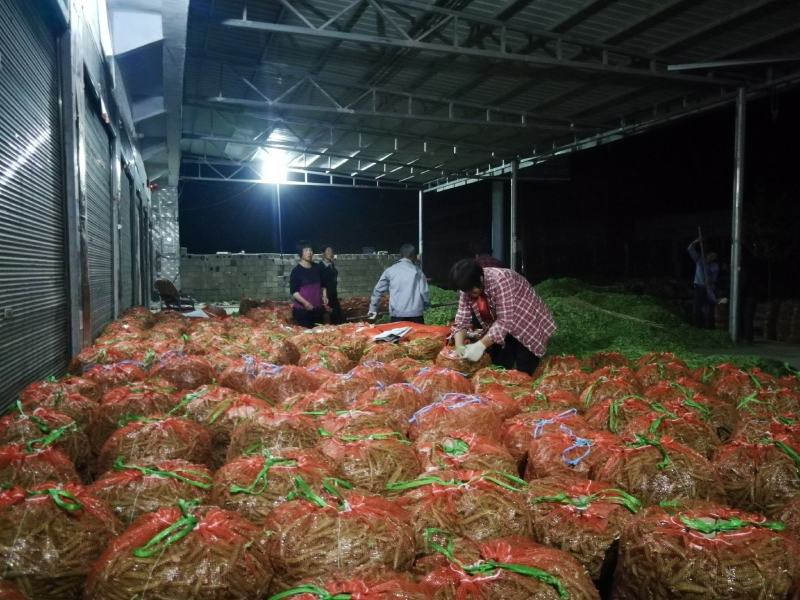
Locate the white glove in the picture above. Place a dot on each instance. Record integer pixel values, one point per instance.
(473, 352)
(371, 316)
(460, 350)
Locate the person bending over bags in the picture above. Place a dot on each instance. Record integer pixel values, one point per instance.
(516, 322)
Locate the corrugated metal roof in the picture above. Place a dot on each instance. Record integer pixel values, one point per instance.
(519, 74)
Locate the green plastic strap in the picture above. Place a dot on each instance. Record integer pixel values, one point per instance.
(185, 401)
(332, 485)
(174, 533)
(505, 480)
(303, 490)
(786, 420)
(454, 447)
(149, 358)
(642, 441)
(614, 495)
(126, 419)
(744, 403)
(661, 409)
(613, 415)
(310, 589)
(411, 484)
(261, 481)
(121, 465)
(699, 407)
(388, 435)
(721, 525)
(51, 438)
(527, 571)
(755, 380)
(43, 427)
(788, 451)
(447, 551)
(61, 498)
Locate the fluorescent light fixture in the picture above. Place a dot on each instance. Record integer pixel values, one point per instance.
(274, 163)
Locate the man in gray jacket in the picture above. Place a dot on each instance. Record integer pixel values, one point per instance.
(407, 287)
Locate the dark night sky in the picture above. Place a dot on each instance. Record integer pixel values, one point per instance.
(682, 169)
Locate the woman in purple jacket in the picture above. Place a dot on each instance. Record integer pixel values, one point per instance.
(305, 286)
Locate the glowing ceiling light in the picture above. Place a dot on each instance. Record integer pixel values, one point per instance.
(274, 163)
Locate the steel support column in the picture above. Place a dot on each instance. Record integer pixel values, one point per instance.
(419, 229)
(498, 193)
(512, 259)
(736, 216)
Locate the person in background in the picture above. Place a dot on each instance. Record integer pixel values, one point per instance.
(330, 283)
(483, 254)
(706, 274)
(407, 287)
(516, 322)
(305, 286)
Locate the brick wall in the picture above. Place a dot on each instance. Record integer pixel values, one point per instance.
(228, 277)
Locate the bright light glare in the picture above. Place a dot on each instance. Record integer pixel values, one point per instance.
(273, 165)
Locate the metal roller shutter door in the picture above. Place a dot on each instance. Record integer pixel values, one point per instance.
(34, 322)
(99, 221)
(126, 276)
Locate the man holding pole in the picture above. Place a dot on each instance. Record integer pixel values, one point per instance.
(706, 273)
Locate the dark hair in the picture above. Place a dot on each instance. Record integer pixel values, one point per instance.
(466, 274)
(301, 245)
(407, 251)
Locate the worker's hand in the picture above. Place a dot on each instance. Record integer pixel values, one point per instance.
(371, 316)
(460, 350)
(473, 352)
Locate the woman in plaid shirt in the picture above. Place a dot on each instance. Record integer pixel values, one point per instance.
(516, 322)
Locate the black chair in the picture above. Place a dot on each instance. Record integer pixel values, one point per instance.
(171, 298)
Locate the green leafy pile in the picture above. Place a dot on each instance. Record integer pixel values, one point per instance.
(595, 318)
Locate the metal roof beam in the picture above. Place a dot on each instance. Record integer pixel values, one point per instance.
(652, 72)
(760, 42)
(589, 8)
(730, 20)
(659, 14)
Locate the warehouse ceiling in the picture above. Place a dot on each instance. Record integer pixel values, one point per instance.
(421, 94)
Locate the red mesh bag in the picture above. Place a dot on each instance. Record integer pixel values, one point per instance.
(555, 400)
(456, 412)
(598, 360)
(652, 373)
(352, 346)
(435, 382)
(220, 409)
(131, 490)
(778, 400)
(183, 371)
(565, 451)
(317, 537)
(603, 388)
(561, 364)
(254, 485)
(659, 470)
(448, 358)
(423, 347)
(476, 505)
(409, 367)
(184, 552)
(275, 431)
(124, 402)
(153, 440)
(319, 401)
(734, 386)
(399, 401)
(504, 404)
(571, 381)
(791, 382)
(276, 351)
(512, 568)
(614, 415)
(220, 362)
(271, 382)
(383, 352)
(355, 422)
(652, 358)
(331, 359)
(9, 591)
(505, 377)
(760, 476)
(713, 553)
(19, 466)
(50, 535)
(100, 354)
(74, 405)
(789, 514)
(582, 517)
(109, 376)
(379, 372)
(389, 586)
(348, 387)
(721, 416)
(38, 393)
(464, 451)
(758, 422)
(319, 336)
(373, 459)
(680, 425)
(520, 430)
